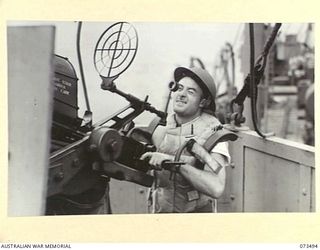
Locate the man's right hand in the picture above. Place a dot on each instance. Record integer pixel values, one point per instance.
(156, 159)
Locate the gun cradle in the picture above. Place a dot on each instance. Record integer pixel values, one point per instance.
(121, 155)
(77, 167)
(70, 170)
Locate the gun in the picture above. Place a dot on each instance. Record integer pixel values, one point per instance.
(82, 154)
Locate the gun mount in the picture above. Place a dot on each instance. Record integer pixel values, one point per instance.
(81, 155)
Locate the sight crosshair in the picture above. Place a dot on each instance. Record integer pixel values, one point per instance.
(115, 50)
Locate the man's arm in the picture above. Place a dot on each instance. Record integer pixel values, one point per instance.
(206, 181)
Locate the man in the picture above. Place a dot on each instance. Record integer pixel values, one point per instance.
(192, 190)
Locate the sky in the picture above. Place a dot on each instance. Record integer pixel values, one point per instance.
(161, 48)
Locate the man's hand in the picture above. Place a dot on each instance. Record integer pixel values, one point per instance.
(156, 158)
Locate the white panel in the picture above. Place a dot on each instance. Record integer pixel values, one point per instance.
(269, 175)
(30, 52)
(272, 184)
(127, 197)
(305, 188)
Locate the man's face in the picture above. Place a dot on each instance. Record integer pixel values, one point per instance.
(188, 98)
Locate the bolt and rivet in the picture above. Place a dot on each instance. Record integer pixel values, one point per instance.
(304, 192)
(75, 162)
(92, 147)
(141, 191)
(95, 166)
(59, 176)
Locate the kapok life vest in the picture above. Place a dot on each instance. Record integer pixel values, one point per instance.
(179, 195)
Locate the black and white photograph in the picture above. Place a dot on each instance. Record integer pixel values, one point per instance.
(134, 117)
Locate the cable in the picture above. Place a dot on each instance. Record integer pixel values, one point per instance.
(81, 67)
(271, 39)
(174, 192)
(232, 64)
(252, 81)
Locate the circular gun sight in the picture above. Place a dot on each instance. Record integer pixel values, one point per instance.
(115, 50)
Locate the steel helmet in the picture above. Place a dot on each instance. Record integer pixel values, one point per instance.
(202, 78)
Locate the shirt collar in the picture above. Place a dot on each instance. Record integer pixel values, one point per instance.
(173, 123)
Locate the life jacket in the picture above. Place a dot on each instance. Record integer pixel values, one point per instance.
(179, 195)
